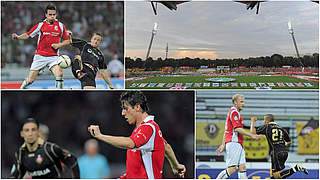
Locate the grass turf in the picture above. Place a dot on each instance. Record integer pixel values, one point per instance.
(239, 79)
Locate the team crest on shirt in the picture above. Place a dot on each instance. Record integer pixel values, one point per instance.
(39, 159)
(236, 118)
(139, 133)
(56, 28)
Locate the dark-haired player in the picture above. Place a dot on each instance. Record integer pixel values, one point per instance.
(278, 140)
(146, 148)
(49, 32)
(90, 60)
(39, 158)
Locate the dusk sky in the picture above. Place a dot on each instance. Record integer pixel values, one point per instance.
(221, 29)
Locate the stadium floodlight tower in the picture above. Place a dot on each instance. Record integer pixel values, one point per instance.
(154, 32)
(167, 49)
(290, 28)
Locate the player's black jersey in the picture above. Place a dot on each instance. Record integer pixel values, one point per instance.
(89, 54)
(45, 162)
(276, 136)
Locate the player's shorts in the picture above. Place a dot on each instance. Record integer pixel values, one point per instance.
(278, 160)
(87, 80)
(41, 62)
(235, 154)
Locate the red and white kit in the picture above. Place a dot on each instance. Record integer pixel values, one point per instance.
(48, 34)
(146, 159)
(233, 121)
(233, 139)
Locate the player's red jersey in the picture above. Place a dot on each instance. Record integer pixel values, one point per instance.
(233, 121)
(48, 34)
(146, 159)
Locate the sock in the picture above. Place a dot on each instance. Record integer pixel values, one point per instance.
(59, 82)
(287, 173)
(242, 175)
(24, 84)
(223, 174)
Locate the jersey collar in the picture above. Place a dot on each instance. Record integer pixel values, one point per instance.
(149, 118)
(39, 142)
(235, 108)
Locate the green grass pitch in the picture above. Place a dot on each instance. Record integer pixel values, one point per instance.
(239, 79)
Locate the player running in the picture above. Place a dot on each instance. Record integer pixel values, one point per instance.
(233, 140)
(49, 32)
(146, 146)
(278, 140)
(39, 158)
(91, 60)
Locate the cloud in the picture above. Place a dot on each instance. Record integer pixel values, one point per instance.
(222, 29)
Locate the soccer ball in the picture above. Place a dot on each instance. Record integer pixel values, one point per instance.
(64, 61)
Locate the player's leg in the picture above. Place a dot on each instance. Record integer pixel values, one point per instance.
(57, 72)
(77, 67)
(31, 78)
(38, 63)
(279, 160)
(289, 172)
(89, 87)
(232, 160)
(242, 173)
(88, 82)
(227, 172)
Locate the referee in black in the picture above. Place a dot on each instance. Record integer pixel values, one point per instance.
(278, 140)
(39, 158)
(89, 61)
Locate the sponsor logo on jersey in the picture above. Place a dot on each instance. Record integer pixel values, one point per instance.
(39, 173)
(39, 159)
(31, 155)
(92, 52)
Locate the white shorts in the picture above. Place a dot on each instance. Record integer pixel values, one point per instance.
(40, 62)
(235, 154)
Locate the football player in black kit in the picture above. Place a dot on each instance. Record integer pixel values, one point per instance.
(278, 140)
(91, 60)
(39, 158)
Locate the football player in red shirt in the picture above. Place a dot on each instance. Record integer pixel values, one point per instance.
(49, 32)
(146, 148)
(233, 139)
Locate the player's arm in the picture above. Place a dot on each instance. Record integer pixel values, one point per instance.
(78, 43)
(237, 125)
(105, 77)
(223, 144)
(68, 159)
(63, 43)
(17, 171)
(177, 168)
(22, 36)
(117, 141)
(244, 132)
(252, 128)
(286, 138)
(66, 36)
